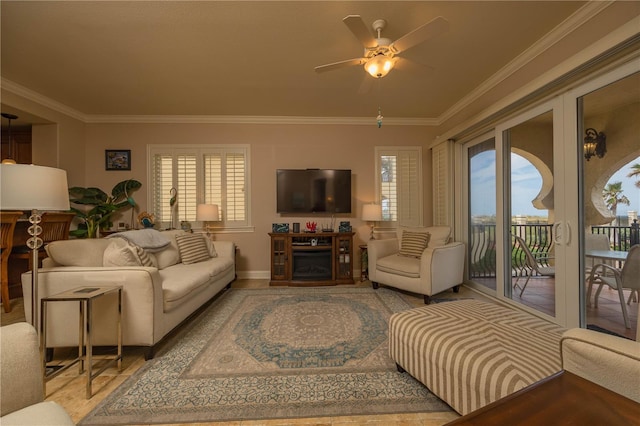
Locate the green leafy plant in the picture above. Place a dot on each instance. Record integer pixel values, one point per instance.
(104, 206)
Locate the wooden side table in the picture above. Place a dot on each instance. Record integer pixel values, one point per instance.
(364, 263)
(561, 399)
(85, 297)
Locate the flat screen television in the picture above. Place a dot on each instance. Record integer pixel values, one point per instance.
(313, 191)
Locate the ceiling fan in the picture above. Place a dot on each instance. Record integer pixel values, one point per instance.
(379, 52)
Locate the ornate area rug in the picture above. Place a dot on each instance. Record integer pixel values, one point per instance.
(274, 353)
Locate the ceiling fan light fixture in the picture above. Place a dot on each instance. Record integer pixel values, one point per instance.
(379, 66)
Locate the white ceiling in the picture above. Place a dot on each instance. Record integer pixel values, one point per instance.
(244, 58)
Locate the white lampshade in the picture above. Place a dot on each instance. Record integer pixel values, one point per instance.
(28, 187)
(372, 212)
(207, 213)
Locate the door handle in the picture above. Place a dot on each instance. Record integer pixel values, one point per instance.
(562, 233)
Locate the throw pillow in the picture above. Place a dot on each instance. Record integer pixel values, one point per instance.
(413, 243)
(193, 248)
(144, 257)
(119, 253)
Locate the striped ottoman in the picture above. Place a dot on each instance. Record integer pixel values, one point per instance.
(470, 353)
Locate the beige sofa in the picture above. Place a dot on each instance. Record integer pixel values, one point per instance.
(429, 270)
(156, 298)
(22, 391)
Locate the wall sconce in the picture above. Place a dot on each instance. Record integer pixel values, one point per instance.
(594, 143)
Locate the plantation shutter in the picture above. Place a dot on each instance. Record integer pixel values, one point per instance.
(235, 202)
(409, 194)
(213, 181)
(388, 188)
(163, 182)
(211, 174)
(399, 184)
(442, 156)
(187, 187)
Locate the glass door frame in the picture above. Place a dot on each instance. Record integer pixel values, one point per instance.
(569, 215)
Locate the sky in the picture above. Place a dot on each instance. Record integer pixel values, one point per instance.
(526, 185)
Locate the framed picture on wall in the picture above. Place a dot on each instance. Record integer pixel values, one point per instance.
(117, 159)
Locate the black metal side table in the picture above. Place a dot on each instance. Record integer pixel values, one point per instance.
(85, 297)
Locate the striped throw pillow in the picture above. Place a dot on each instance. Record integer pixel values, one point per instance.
(413, 243)
(143, 256)
(192, 247)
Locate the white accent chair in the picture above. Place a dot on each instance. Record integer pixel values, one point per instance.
(439, 267)
(22, 382)
(618, 279)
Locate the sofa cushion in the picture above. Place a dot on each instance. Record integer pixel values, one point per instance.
(120, 253)
(170, 255)
(193, 248)
(400, 265)
(439, 235)
(80, 252)
(181, 281)
(123, 253)
(413, 244)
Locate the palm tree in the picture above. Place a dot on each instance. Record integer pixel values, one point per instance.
(635, 172)
(612, 195)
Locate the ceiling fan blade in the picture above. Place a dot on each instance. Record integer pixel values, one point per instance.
(431, 29)
(341, 64)
(404, 64)
(360, 30)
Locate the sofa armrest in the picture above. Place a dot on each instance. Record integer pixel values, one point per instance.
(609, 361)
(444, 265)
(21, 369)
(377, 249)
(142, 303)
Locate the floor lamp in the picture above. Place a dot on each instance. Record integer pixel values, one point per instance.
(372, 213)
(34, 188)
(207, 213)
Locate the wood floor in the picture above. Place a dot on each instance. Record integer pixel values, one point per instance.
(68, 389)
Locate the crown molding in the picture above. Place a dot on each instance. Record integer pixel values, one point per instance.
(40, 99)
(577, 19)
(256, 119)
(36, 97)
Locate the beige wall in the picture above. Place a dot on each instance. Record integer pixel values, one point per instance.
(272, 146)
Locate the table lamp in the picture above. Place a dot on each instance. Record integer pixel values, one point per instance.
(34, 188)
(372, 213)
(207, 213)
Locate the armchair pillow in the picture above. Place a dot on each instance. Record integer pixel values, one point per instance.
(413, 244)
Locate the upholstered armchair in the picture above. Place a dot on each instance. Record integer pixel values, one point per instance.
(419, 260)
(22, 389)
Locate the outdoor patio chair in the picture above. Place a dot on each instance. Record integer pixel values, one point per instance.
(618, 279)
(533, 264)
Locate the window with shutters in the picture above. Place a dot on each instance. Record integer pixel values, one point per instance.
(199, 174)
(399, 184)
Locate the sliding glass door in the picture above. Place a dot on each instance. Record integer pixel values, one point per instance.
(533, 199)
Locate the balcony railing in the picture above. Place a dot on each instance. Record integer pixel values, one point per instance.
(539, 239)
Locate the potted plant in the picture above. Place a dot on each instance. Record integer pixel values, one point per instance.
(104, 206)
